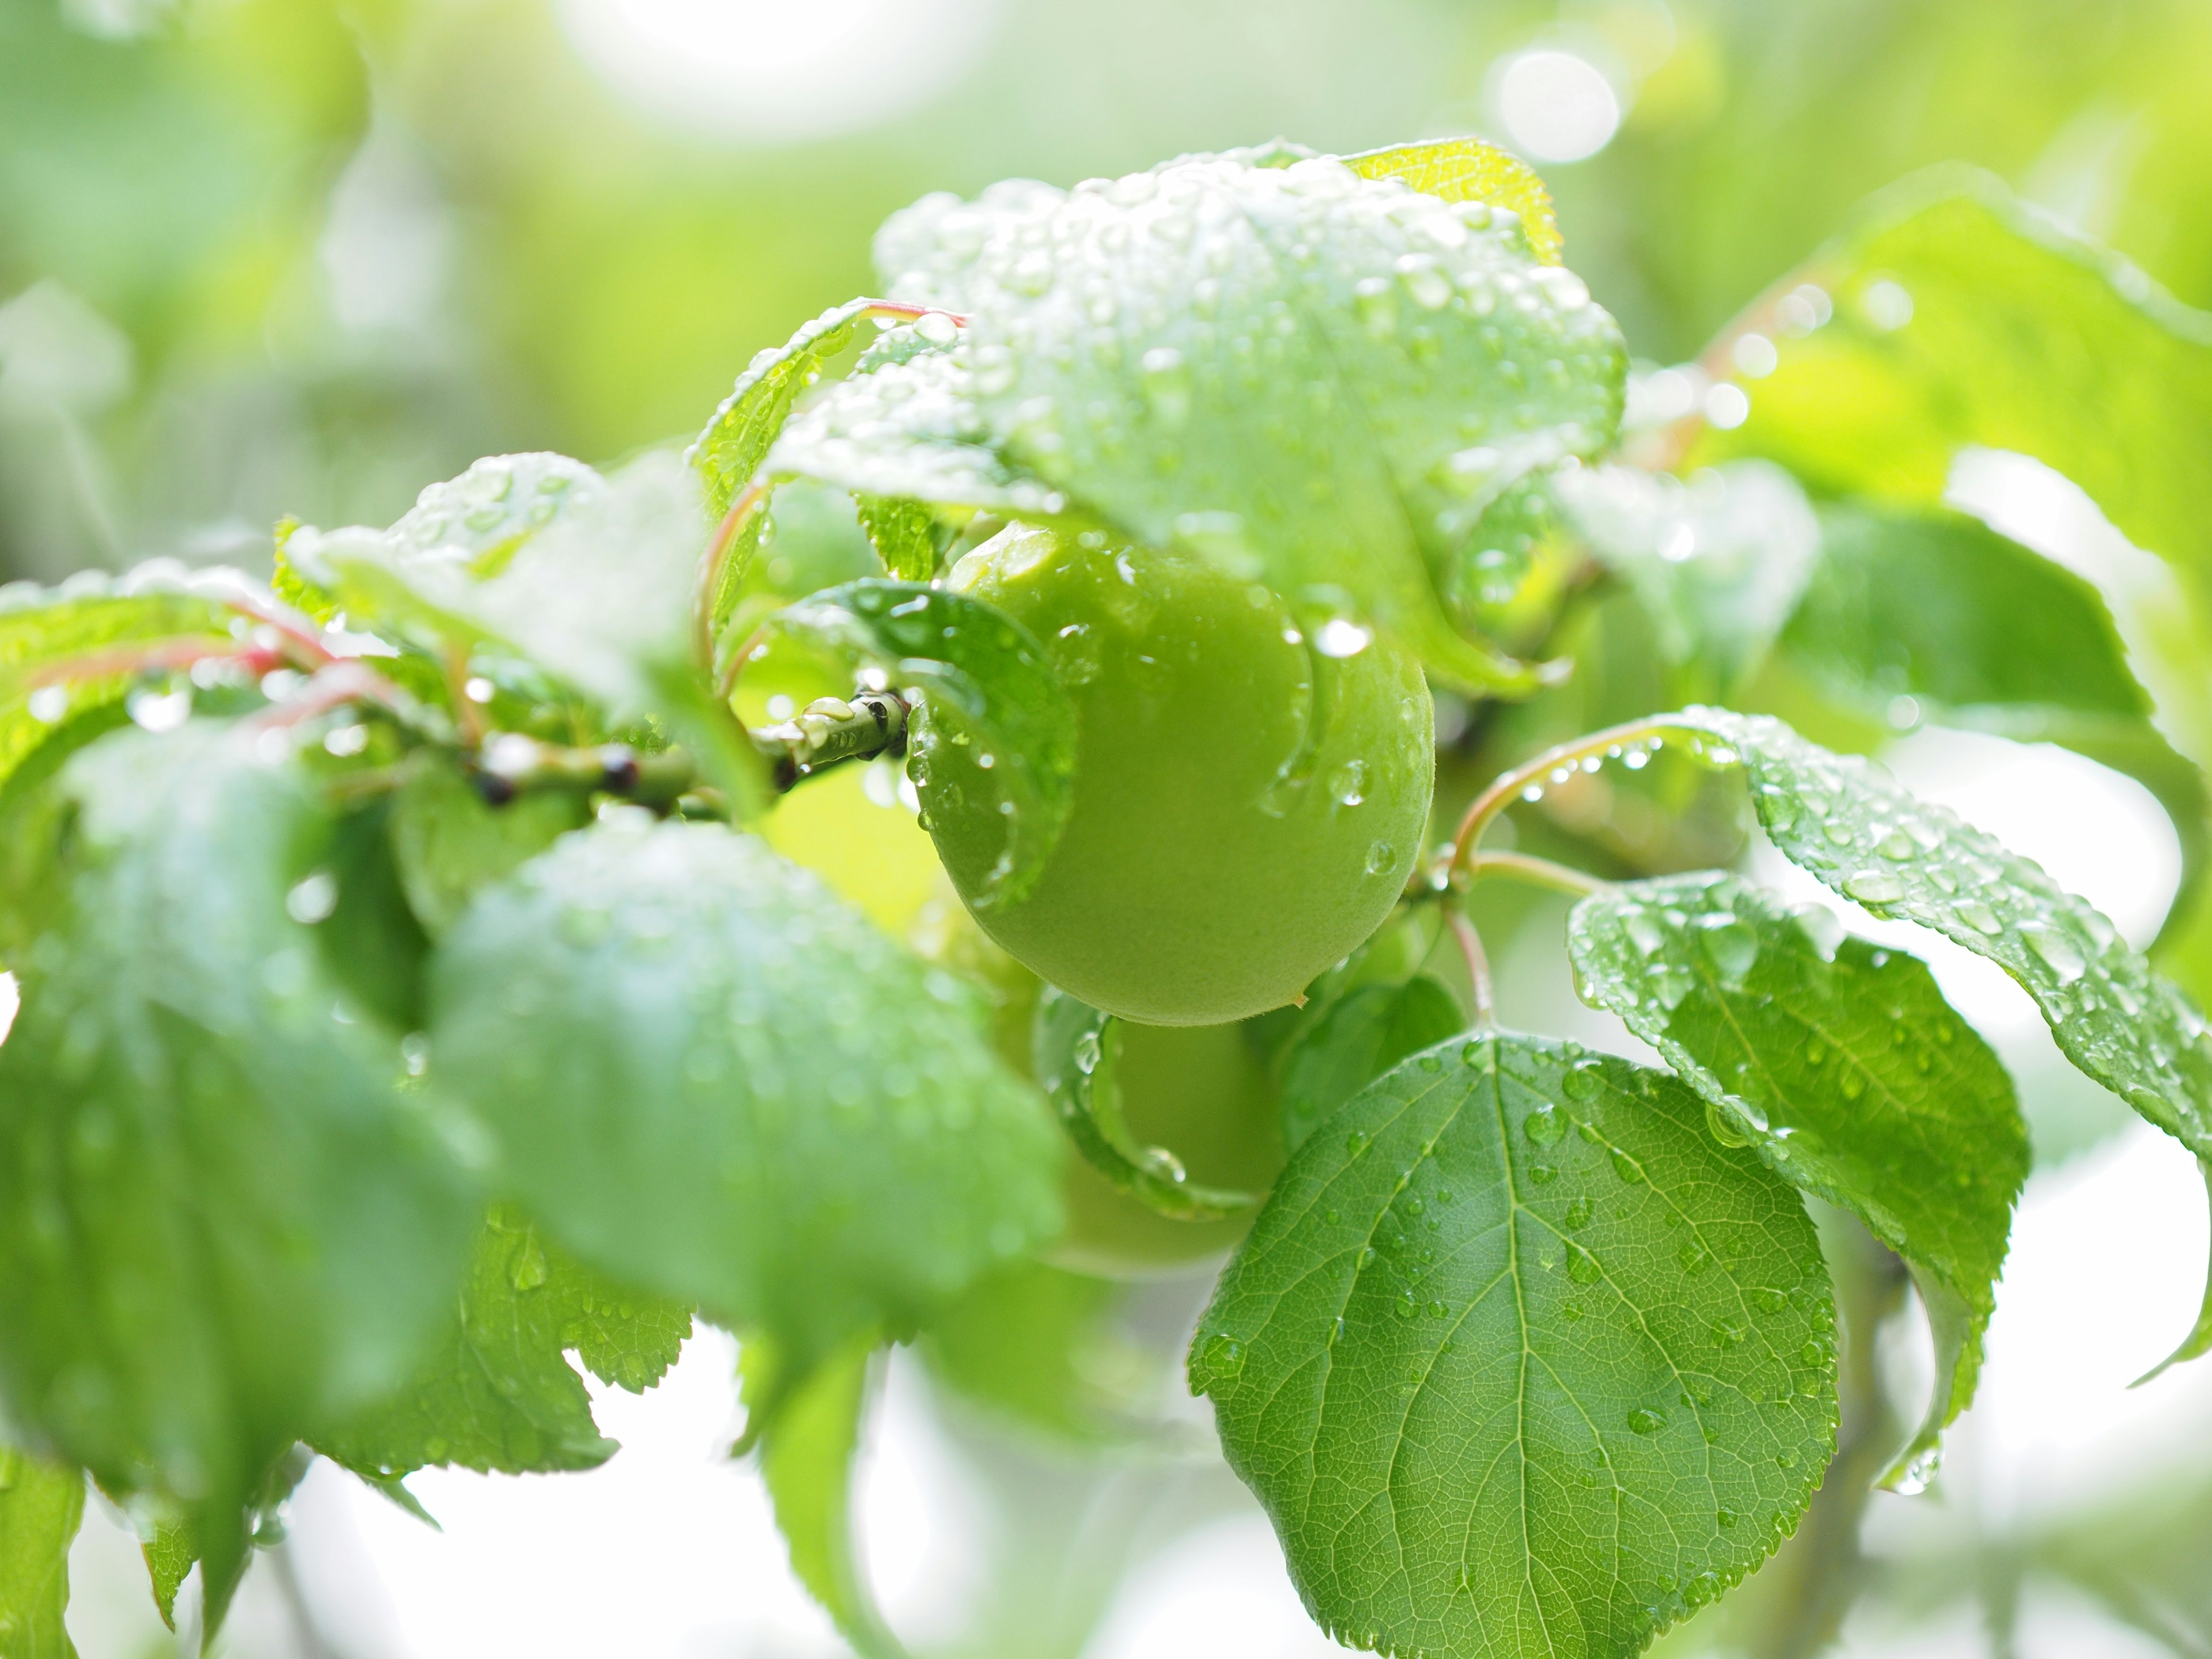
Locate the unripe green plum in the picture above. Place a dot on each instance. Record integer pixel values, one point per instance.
(1247, 805)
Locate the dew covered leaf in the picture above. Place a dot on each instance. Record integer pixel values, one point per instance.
(806, 1453)
(710, 1078)
(221, 1224)
(1963, 316)
(1316, 379)
(738, 437)
(84, 620)
(1983, 634)
(904, 534)
(1853, 825)
(1842, 1065)
(40, 1507)
(1470, 170)
(987, 684)
(495, 1392)
(1718, 562)
(1520, 1360)
(910, 428)
(1361, 1037)
(415, 582)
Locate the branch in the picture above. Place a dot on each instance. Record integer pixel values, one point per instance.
(830, 730)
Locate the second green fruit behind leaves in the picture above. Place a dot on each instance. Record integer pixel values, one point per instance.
(1248, 803)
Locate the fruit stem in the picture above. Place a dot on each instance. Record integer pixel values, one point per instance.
(1478, 967)
(830, 730)
(1530, 775)
(1543, 872)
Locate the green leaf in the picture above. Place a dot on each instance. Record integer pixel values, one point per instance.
(415, 581)
(1469, 170)
(1520, 1360)
(1983, 634)
(90, 620)
(986, 683)
(40, 1507)
(372, 945)
(1032, 1343)
(710, 1077)
(1854, 827)
(447, 841)
(221, 1223)
(1078, 1051)
(171, 1552)
(1313, 377)
(1718, 563)
(1841, 1065)
(1361, 1037)
(910, 430)
(730, 451)
(1965, 316)
(904, 534)
(495, 1392)
(806, 1453)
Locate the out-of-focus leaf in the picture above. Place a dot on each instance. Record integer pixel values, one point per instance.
(1030, 1342)
(1360, 1038)
(986, 684)
(807, 1452)
(1311, 377)
(1718, 562)
(40, 1507)
(495, 1392)
(1520, 1360)
(90, 616)
(710, 1078)
(221, 1224)
(1965, 316)
(372, 945)
(447, 840)
(1469, 170)
(1841, 1065)
(1982, 633)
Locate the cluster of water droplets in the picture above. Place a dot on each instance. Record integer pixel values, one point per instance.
(1853, 825)
(1255, 360)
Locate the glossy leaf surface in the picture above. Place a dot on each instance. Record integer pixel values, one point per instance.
(1842, 1065)
(1519, 1359)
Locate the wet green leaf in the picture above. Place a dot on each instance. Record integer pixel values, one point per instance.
(495, 1392)
(221, 1223)
(1520, 1360)
(985, 684)
(1841, 1065)
(1851, 825)
(1363, 1035)
(82, 621)
(710, 1077)
(1981, 633)
(737, 438)
(904, 534)
(1312, 377)
(40, 1507)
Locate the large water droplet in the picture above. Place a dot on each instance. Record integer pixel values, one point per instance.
(1545, 1126)
(2059, 952)
(1645, 1420)
(1873, 887)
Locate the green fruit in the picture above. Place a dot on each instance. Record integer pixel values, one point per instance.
(1246, 808)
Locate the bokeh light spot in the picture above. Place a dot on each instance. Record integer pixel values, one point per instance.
(1557, 107)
